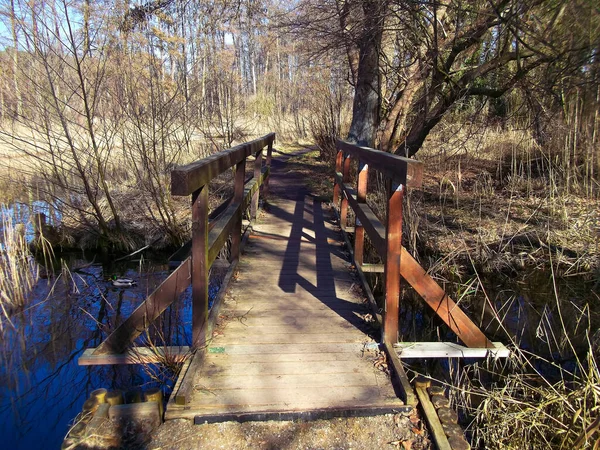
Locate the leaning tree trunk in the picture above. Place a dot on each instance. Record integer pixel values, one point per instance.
(367, 97)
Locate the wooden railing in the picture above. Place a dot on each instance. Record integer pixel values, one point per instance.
(209, 235)
(386, 237)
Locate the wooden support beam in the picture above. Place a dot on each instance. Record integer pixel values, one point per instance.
(441, 303)
(345, 179)
(268, 166)
(257, 177)
(435, 426)
(168, 291)
(238, 197)
(393, 239)
(361, 198)
(200, 265)
(368, 219)
(421, 350)
(338, 170)
(418, 278)
(135, 355)
(407, 394)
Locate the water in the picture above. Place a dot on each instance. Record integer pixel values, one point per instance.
(41, 386)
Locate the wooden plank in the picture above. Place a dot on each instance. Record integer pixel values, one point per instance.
(289, 399)
(372, 268)
(187, 179)
(262, 358)
(243, 337)
(286, 349)
(145, 314)
(441, 303)
(222, 210)
(368, 219)
(406, 392)
(344, 207)
(279, 382)
(183, 394)
(238, 196)
(308, 415)
(408, 172)
(393, 239)
(363, 281)
(435, 426)
(216, 367)
(336, 187)
(135, 355)
(361, 198)
(256, 194)
(136, 411)
(200, 265)
(449, 350)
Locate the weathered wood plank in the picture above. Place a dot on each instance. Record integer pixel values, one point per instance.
(135, 355)
(216, 367)
(407, 393)
(393, 239)
(405, 171)
(280, 382)
(187, 179)
(243, 337)
(252, 349)
(435, 426)
(449, 350)
(318, 414)
(148, 311)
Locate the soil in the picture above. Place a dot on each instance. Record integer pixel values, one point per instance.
(361, 433)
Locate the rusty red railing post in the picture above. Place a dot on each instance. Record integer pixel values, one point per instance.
(257, 175)
(345, 179)
(200, 265)
(393, 238)
(268, 164)
(336, 187)
(238, 197)
(361, 197)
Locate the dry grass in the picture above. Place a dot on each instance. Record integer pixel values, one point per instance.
(18, 270)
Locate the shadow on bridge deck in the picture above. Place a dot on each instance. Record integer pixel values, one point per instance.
(291, 340)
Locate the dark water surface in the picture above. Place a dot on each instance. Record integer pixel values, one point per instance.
(41, 386)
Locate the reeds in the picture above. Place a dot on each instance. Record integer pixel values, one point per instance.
(18, 270)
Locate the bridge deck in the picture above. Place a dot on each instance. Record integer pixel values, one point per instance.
(291, 339)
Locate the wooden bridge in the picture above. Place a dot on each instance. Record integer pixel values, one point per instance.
(289, 335)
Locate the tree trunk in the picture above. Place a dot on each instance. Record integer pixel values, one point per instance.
(367, 97)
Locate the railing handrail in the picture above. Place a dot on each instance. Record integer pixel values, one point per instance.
(187, 179)
(402, 170)
(386, 237)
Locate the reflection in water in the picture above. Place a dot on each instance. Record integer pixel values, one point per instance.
(41, 386)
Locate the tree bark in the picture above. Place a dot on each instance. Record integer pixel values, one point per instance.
(367, 97)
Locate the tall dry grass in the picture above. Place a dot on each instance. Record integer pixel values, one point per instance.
(18, 269)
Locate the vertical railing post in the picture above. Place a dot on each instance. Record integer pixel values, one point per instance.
(361, 197)
(238, 197)
(346, 179)
(393, 239)
(200, 267)
(268, 164)
(256, 195)
(336, 187)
